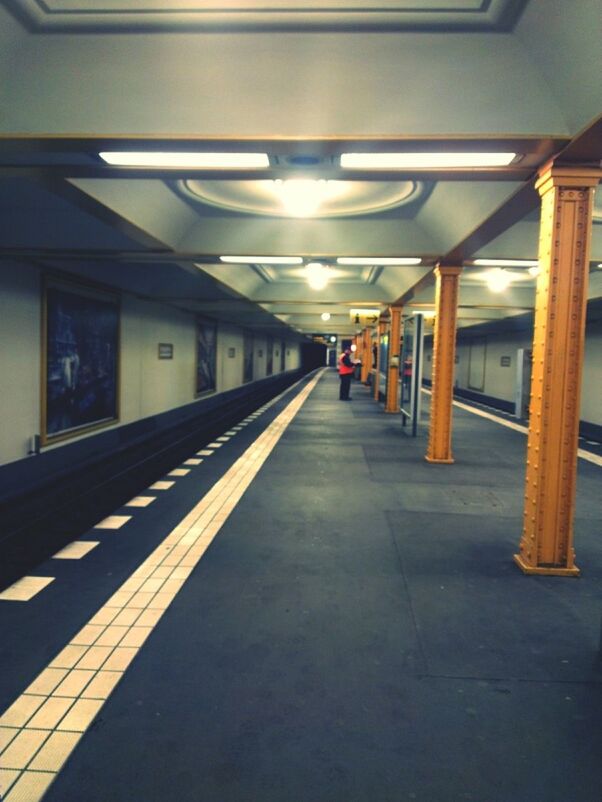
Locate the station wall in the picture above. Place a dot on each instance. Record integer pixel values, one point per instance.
(481, 369)
(148, 385)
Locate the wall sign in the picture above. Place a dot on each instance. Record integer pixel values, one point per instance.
(505, 361)
(231, 353)
(165, 350)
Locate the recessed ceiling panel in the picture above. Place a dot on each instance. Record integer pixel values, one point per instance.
(304, 198)
(481, 15)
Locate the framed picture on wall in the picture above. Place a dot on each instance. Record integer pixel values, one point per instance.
(206, 356)
(269, 365)
(80, 359)
(248, 350)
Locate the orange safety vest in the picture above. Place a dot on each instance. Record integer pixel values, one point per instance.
(343, 369)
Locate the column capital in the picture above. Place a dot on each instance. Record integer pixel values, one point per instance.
(447, 270)
(552, 175)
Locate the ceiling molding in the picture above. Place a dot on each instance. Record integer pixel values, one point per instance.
(497, 16)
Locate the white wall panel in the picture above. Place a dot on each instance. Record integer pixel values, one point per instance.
(19, 359)
(247, 85)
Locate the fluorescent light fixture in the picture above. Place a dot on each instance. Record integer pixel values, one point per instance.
(317, 275)
(223, 161)
(506, 262)
(262, 260)
(534, 270)
(353, 347)
(379, 260)
(499, 280)
(333, 339)
(429, 161)
(325, 316)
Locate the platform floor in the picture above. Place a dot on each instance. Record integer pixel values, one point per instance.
(356, 631)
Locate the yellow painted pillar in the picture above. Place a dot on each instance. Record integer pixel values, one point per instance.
(444, 356)
(366, 354)
(546, 546)
(380, 330)
(392, 399)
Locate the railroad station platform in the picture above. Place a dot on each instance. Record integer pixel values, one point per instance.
(310, 612)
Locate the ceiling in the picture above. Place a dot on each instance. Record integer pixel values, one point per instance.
(303, 83)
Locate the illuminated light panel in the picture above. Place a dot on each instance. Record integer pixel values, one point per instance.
(302, 197)
(534, 270)
(506, 262)
(223, 161)
(325, 316)
(429, 161)
(265, 260)
(379, 260)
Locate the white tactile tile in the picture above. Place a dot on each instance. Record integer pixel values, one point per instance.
(55, 751)
(215, 445)
(30, 787)
(21, 710)
(76, 550)
(140, 501)
(205, 452)
(161, 485)
(193, 461)
(113, 522)
(7, 778)
(179, 472)
(51, 712)
(26, 588)
(22, 748)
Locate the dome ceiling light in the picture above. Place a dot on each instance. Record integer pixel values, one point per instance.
(318, 275)
(302, 197)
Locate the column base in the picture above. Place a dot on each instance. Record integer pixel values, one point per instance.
(436, 461)
(392, 411)
(544, 570)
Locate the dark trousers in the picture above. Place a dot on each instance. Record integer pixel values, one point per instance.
(345, 385)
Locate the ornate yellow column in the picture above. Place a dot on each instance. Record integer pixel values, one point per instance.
(392, 400)
(444, 353)
(380, 330)
(366, 355)
(567, 194)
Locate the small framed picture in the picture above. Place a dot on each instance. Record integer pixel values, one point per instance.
(165, 351)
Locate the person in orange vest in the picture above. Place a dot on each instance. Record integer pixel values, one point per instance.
(346, 371)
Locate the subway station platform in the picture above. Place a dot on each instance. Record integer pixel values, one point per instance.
(307, 611)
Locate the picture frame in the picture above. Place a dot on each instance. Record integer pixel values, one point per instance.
(248, 354)
(269, 362)
(80, 364)
(206, 357)
(165, 350)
